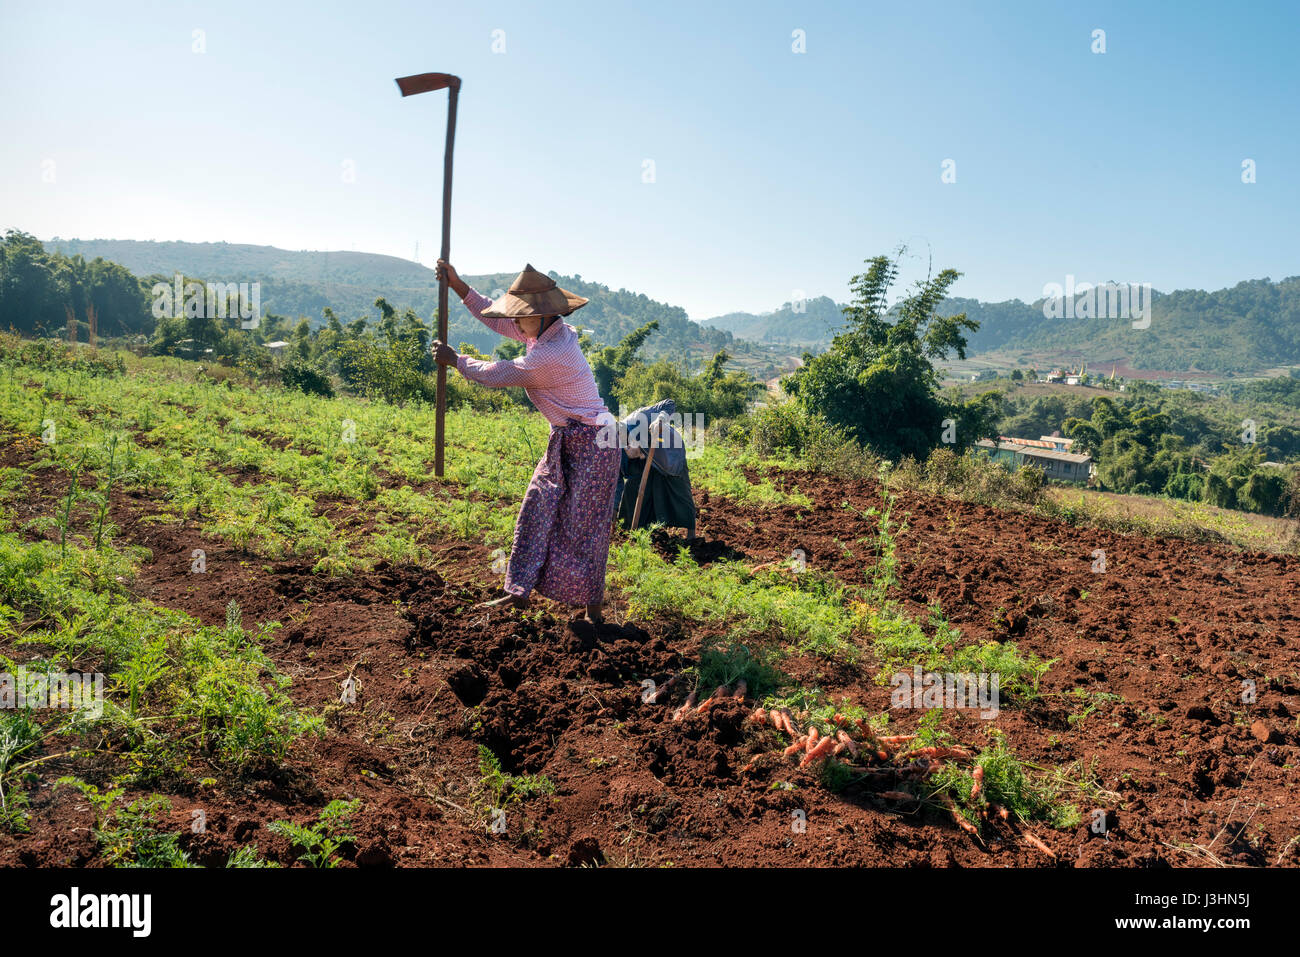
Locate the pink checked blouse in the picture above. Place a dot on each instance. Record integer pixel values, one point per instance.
(552, 370)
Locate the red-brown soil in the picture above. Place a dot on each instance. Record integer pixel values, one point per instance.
(1171, 627)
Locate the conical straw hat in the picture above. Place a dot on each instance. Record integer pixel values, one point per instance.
(534, 294)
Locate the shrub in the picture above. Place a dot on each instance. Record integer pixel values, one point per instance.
(971, 476)
(305, 377)
(788, 430)
(713, 393)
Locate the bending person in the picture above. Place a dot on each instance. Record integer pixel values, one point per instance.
(667, 500)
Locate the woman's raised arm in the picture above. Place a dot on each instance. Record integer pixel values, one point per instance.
(476, 303)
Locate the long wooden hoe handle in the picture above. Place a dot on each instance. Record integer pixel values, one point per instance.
(645, 475)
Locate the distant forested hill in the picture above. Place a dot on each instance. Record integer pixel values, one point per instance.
(1251, 326)
(304, 283)
(813, 325)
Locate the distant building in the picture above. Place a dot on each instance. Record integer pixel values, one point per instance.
(277, 346)
(1040, 453)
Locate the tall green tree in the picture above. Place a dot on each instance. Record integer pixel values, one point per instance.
(877, 381)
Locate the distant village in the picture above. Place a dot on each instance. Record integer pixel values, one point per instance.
(1051, 453)
(1082, 377)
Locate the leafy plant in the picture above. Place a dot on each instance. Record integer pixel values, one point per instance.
(129, 836)
(246, 857)
(322, 840)
(500, 788)
(18, 734)
(1008, 784)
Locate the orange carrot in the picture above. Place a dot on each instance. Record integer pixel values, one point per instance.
(813, 735)
(848, 743)
(870, 736)
(823, 749)
(787, 723)
(897, 739)
(939, 752)
(759, 716)
(681, 712)
(742, 686)
(718, 694)
(794, 748)
(1038, 844)
(964, 824)
(978, 775)
(663, 689)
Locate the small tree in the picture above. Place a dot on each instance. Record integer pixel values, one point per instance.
(877, 381)
(610, 363)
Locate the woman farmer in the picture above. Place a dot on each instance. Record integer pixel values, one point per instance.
(667, 500)
(561, 542)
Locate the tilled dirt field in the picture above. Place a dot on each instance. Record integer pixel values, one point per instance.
(1161, 643)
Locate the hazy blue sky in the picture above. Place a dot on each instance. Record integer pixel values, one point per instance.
(775, 171)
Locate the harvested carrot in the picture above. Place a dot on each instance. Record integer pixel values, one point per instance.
(978, 775)
(941, 752)
(964, 824)
(795, 748)
(1001, 811)
(742, 686)
(813, 735)
(663, 689)
(897, 739)
(786, 723)
(759, 716)
(847, 743)
(718, 694)
(822, 750)
(1039, 844)
(897, 796)
(870, 736)
(690, 703)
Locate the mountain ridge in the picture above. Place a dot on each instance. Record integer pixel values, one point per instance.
(1252, 325)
